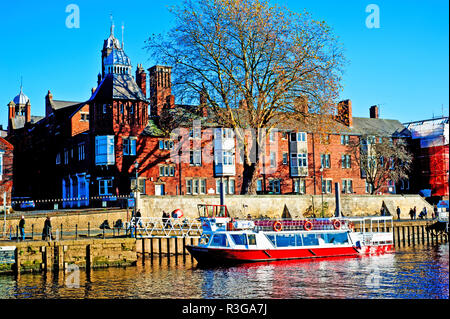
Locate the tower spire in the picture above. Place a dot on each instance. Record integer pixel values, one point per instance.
(123, 27)
(112, 24)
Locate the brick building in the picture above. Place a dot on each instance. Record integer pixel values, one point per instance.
(431, 153)
(82, 150)
(6, 171)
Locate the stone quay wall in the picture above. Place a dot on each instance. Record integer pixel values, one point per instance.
(36, 256)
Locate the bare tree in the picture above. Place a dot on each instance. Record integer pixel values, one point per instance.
(382, 160)
(257, 65)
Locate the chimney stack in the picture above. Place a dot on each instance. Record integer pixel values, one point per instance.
(48, 103)
(28, 112)
(374, 112)
(345, 113)
(141, 79)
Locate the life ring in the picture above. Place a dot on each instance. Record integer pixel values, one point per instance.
(277, 226)
(308, 225)
(336, 224)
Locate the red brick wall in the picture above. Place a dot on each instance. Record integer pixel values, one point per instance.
(6, 182)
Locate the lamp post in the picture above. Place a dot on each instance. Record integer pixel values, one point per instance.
(321, 186)
(136, 166)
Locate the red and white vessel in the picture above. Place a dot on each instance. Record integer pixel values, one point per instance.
(225, 240)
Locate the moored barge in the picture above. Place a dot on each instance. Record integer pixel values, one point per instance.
(225, 240)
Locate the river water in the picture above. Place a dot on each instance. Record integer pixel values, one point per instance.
(417, 272)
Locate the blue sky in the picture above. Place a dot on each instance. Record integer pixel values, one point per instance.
(401, 66)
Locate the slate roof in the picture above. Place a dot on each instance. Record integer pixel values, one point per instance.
(118, 86)
(186, 114)
(19, 121)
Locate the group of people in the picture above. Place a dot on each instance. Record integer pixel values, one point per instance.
(413, 213)
(46, 231)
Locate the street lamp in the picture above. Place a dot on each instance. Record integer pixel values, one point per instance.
(136, 166)
(321, 185)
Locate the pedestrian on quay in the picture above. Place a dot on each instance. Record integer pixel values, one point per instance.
(398, 212)
(414, 212)
(411, 213)
(22, 228)
(434, 214)
(423, 213)
(165, 219)
(47, 232)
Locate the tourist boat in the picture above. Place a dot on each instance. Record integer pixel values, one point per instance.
(224, 239)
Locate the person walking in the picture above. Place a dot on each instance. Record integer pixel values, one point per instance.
(22, 228)
(411, 213)
(398, 212)
(414, 212)
(47, 232)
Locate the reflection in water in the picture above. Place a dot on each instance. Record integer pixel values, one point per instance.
(412, 272)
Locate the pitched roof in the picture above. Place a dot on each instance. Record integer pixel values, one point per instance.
(118, 86)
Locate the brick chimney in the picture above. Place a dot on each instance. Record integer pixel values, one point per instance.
(374, 112)
(345, 113)
(28, 112)
(11, 110)
(48, 103)
(141, 79)
(160, 86)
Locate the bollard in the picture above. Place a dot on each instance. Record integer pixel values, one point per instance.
(61, 232)
(89, 229)
(76, 232)
(32, 232)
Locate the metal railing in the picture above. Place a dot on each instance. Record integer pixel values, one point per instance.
(147, 227)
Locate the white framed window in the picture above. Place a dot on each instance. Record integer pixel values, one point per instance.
(404, 184)
(299, 186)
(346, 161)
(104, 150)
(259, 185)
(327, 186)
(58, 158)
(298, 137)
(129, 146)
(84, 117)
(273, 159)
(347, 186)
(141, 185)
(299, 160)
(105, 108)
(285, 158)
(345, 139)
(105, 186)
(325, 160)
(195, 157)
(196, 186)
(167, 170)
(229, 186)
(81, 154)
(369, 187)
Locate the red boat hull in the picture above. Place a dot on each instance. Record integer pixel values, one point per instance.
(220, 255)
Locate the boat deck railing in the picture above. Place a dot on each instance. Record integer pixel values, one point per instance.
(158, 227)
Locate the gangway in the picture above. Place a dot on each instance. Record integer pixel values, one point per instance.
(157, 227)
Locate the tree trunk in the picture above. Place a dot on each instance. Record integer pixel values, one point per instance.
(249, 178)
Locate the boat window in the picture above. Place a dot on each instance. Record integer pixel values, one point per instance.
(219, 240)
(272, 239)
(251, 239)
(239, 239)
(298, 240)
(336, 238)
(285, 240)
(310, 239)
(204, 239)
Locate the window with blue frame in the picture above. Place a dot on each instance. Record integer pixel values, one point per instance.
(219, 240)
(285, 240)
(104, 150)
(239, 239)
(335, 238)
(310, 240)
